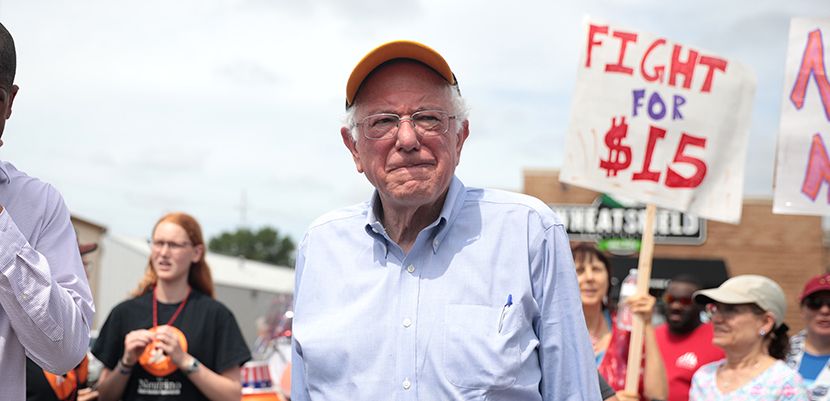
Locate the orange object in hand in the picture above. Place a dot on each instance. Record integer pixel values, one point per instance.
(155, 361)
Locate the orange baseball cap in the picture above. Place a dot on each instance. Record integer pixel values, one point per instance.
(394, 50)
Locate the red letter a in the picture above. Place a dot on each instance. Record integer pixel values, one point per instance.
(818, 169)
(812, 64)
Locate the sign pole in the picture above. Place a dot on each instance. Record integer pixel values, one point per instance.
(635, 349)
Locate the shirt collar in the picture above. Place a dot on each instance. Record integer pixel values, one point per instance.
(4, 177)
(449, 211)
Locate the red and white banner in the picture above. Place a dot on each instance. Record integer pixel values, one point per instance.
(803, 167)
(659, 122)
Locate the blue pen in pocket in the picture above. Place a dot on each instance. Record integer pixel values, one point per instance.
(504, 310)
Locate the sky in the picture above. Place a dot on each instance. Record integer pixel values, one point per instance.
(136, 109)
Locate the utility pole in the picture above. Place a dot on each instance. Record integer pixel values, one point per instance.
(243, 209)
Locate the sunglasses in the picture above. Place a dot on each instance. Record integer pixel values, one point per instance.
(815, 303)
(669, 299)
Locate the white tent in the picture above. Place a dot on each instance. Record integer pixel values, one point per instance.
(247, 287)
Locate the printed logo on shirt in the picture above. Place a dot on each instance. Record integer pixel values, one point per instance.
(687, 361)
(159, 386)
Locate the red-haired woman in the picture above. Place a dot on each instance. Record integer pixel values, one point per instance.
(172, 340)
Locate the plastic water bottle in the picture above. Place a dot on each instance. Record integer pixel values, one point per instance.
(625, 318)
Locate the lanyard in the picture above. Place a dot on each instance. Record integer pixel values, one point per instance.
(175, 315)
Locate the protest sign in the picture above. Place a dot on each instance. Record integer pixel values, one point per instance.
(659, 122)
(802, 166)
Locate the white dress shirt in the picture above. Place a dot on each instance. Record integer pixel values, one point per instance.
(46, 306)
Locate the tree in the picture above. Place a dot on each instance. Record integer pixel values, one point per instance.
(265, 245)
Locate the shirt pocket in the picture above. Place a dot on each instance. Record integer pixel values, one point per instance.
(476, 354)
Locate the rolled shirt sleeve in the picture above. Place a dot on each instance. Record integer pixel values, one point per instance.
(47, 307)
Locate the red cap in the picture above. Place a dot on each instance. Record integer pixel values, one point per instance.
(816, 284)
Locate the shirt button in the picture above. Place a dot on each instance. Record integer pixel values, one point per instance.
(407, 323)
(24, 298)
(435, 242)
(410, 268)
(406, 385)
(375, 230)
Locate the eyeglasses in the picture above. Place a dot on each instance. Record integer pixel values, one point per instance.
(426, 123)
(727, 311)
(174, 246)
(669, 299)
(815, 303)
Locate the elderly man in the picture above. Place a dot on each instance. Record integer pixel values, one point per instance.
(432, 290)
(46, 307)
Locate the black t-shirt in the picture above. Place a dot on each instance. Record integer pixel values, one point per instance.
(38, 387)
(213, 337)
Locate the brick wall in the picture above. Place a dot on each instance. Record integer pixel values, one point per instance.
(786, 248)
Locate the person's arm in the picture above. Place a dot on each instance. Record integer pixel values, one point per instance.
(43, 289)
(113, 382)
(656, 385)
(215, 386)
(566, 358)
(655, 382)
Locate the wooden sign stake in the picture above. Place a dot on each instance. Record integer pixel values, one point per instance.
(635, 349)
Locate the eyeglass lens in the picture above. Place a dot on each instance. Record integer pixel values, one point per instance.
(727, 311)
(670, 299)
(171, 245)
(815, 303)
(426, 123)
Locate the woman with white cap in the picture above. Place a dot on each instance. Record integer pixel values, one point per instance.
(810, 349)
(747, 313)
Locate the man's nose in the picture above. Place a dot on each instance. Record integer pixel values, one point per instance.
(408, 139)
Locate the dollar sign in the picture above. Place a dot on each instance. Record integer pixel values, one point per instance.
(613, 138)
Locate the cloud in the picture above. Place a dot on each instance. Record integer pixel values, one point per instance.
(135, 109)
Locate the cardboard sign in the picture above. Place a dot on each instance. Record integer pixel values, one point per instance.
(803, 167)
(659, 122)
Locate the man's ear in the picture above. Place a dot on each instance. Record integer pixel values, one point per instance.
(463, 133)
(350, 143)
(13, 93)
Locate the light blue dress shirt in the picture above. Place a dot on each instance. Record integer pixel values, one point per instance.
(375, 323)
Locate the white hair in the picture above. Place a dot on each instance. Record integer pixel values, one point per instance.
(459, 108)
